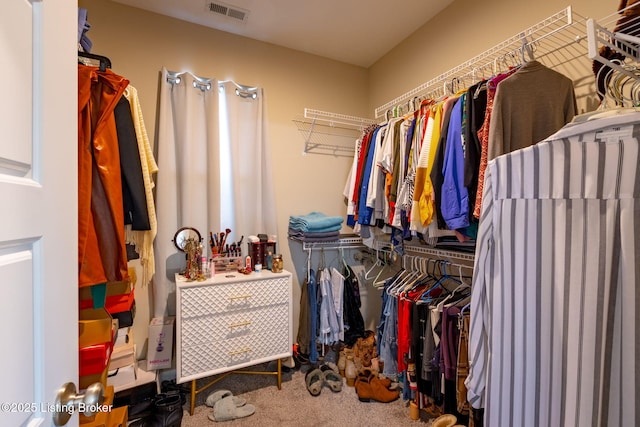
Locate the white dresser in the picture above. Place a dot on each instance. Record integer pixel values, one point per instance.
(230, 322)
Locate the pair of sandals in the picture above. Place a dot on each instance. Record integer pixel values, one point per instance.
(326, 374)
(228, 407)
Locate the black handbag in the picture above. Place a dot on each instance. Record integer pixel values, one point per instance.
(165, 410)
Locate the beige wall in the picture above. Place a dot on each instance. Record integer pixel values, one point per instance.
(468, 28)
(140, 43)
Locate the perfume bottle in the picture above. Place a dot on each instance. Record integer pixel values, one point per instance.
(269, 260)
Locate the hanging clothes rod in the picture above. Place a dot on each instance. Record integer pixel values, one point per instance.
(422, 263)
(330, 133)
(434, 252)
(619, 34)
(341, 243)
(554, 33)
(335, 118)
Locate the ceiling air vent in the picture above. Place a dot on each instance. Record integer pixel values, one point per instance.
(228, 10)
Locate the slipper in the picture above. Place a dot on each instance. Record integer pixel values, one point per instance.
(332, 377)
(332, 366)
(446, 420)
(225, 410)
(220, 394)
(314, 379)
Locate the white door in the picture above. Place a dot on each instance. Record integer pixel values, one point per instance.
(38, 208)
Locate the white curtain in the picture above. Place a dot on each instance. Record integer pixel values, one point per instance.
(248, 203)
(213, 169)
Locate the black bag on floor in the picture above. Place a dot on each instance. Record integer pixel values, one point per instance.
(139, 400)
(166, 411)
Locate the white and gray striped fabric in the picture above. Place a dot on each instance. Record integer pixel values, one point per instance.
(555, 315)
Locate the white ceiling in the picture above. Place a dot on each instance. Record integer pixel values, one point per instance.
(357, 32)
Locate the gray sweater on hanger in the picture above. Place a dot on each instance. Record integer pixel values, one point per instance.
(529, 106)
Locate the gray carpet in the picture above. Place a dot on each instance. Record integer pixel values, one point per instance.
(294, 406)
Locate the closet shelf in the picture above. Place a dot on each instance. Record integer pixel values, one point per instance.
(602, 34)
(562, 33)
(424, 250)
(341, 243)
(330, 133)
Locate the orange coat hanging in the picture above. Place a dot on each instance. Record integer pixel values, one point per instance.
(101, 247)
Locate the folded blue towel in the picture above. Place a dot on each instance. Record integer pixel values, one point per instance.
(315, 222)
(304, 236)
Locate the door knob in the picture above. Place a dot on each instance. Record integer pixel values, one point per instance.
(68, 402)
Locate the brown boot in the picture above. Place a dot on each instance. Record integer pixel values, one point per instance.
(366, 374)
(363, 389)
(362, 386)
(380, 392)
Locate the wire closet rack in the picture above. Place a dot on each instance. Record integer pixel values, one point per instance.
(330, 133)
(614, 41)
(555, 40)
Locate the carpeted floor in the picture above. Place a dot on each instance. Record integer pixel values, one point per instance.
(294, 406)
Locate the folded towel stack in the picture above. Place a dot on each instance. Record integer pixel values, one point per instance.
(315, 227)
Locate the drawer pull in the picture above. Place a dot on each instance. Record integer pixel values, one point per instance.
(240, 297)
(235, 353)
(240, 324)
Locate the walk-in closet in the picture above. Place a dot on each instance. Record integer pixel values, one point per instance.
(344, 213)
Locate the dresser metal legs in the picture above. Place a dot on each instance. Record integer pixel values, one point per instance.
(195, 391)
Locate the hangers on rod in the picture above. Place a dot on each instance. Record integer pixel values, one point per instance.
(309, 264)
(103, 61)
(344, 263)
(377, 263)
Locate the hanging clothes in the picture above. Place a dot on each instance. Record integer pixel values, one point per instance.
(454, 196)
(143, 239)
(475, 110)
(102, 255)
(337, 294)
(554, 334)
(533, 103)
(483, 135)
(422, 209)
(304, 319)
(353, 320)
(133, 193)
(329, 327)
(314, 308)
(437, 177)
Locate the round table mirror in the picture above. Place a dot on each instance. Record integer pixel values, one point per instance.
(183, 235)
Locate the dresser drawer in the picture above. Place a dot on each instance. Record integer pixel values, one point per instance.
(231, 322)
(220, 298)
(226, 326)
(217, 343)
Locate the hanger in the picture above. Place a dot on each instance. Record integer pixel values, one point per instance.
(104, 62)
(375, 264)
(309, 264)
(465, 308)
(377, 282)
(344, 263)
(322, 264)
(401, 282)
(425, 297)
(400, 276)
(413, 278)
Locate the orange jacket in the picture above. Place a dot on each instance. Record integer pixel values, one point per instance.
(102, 253)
